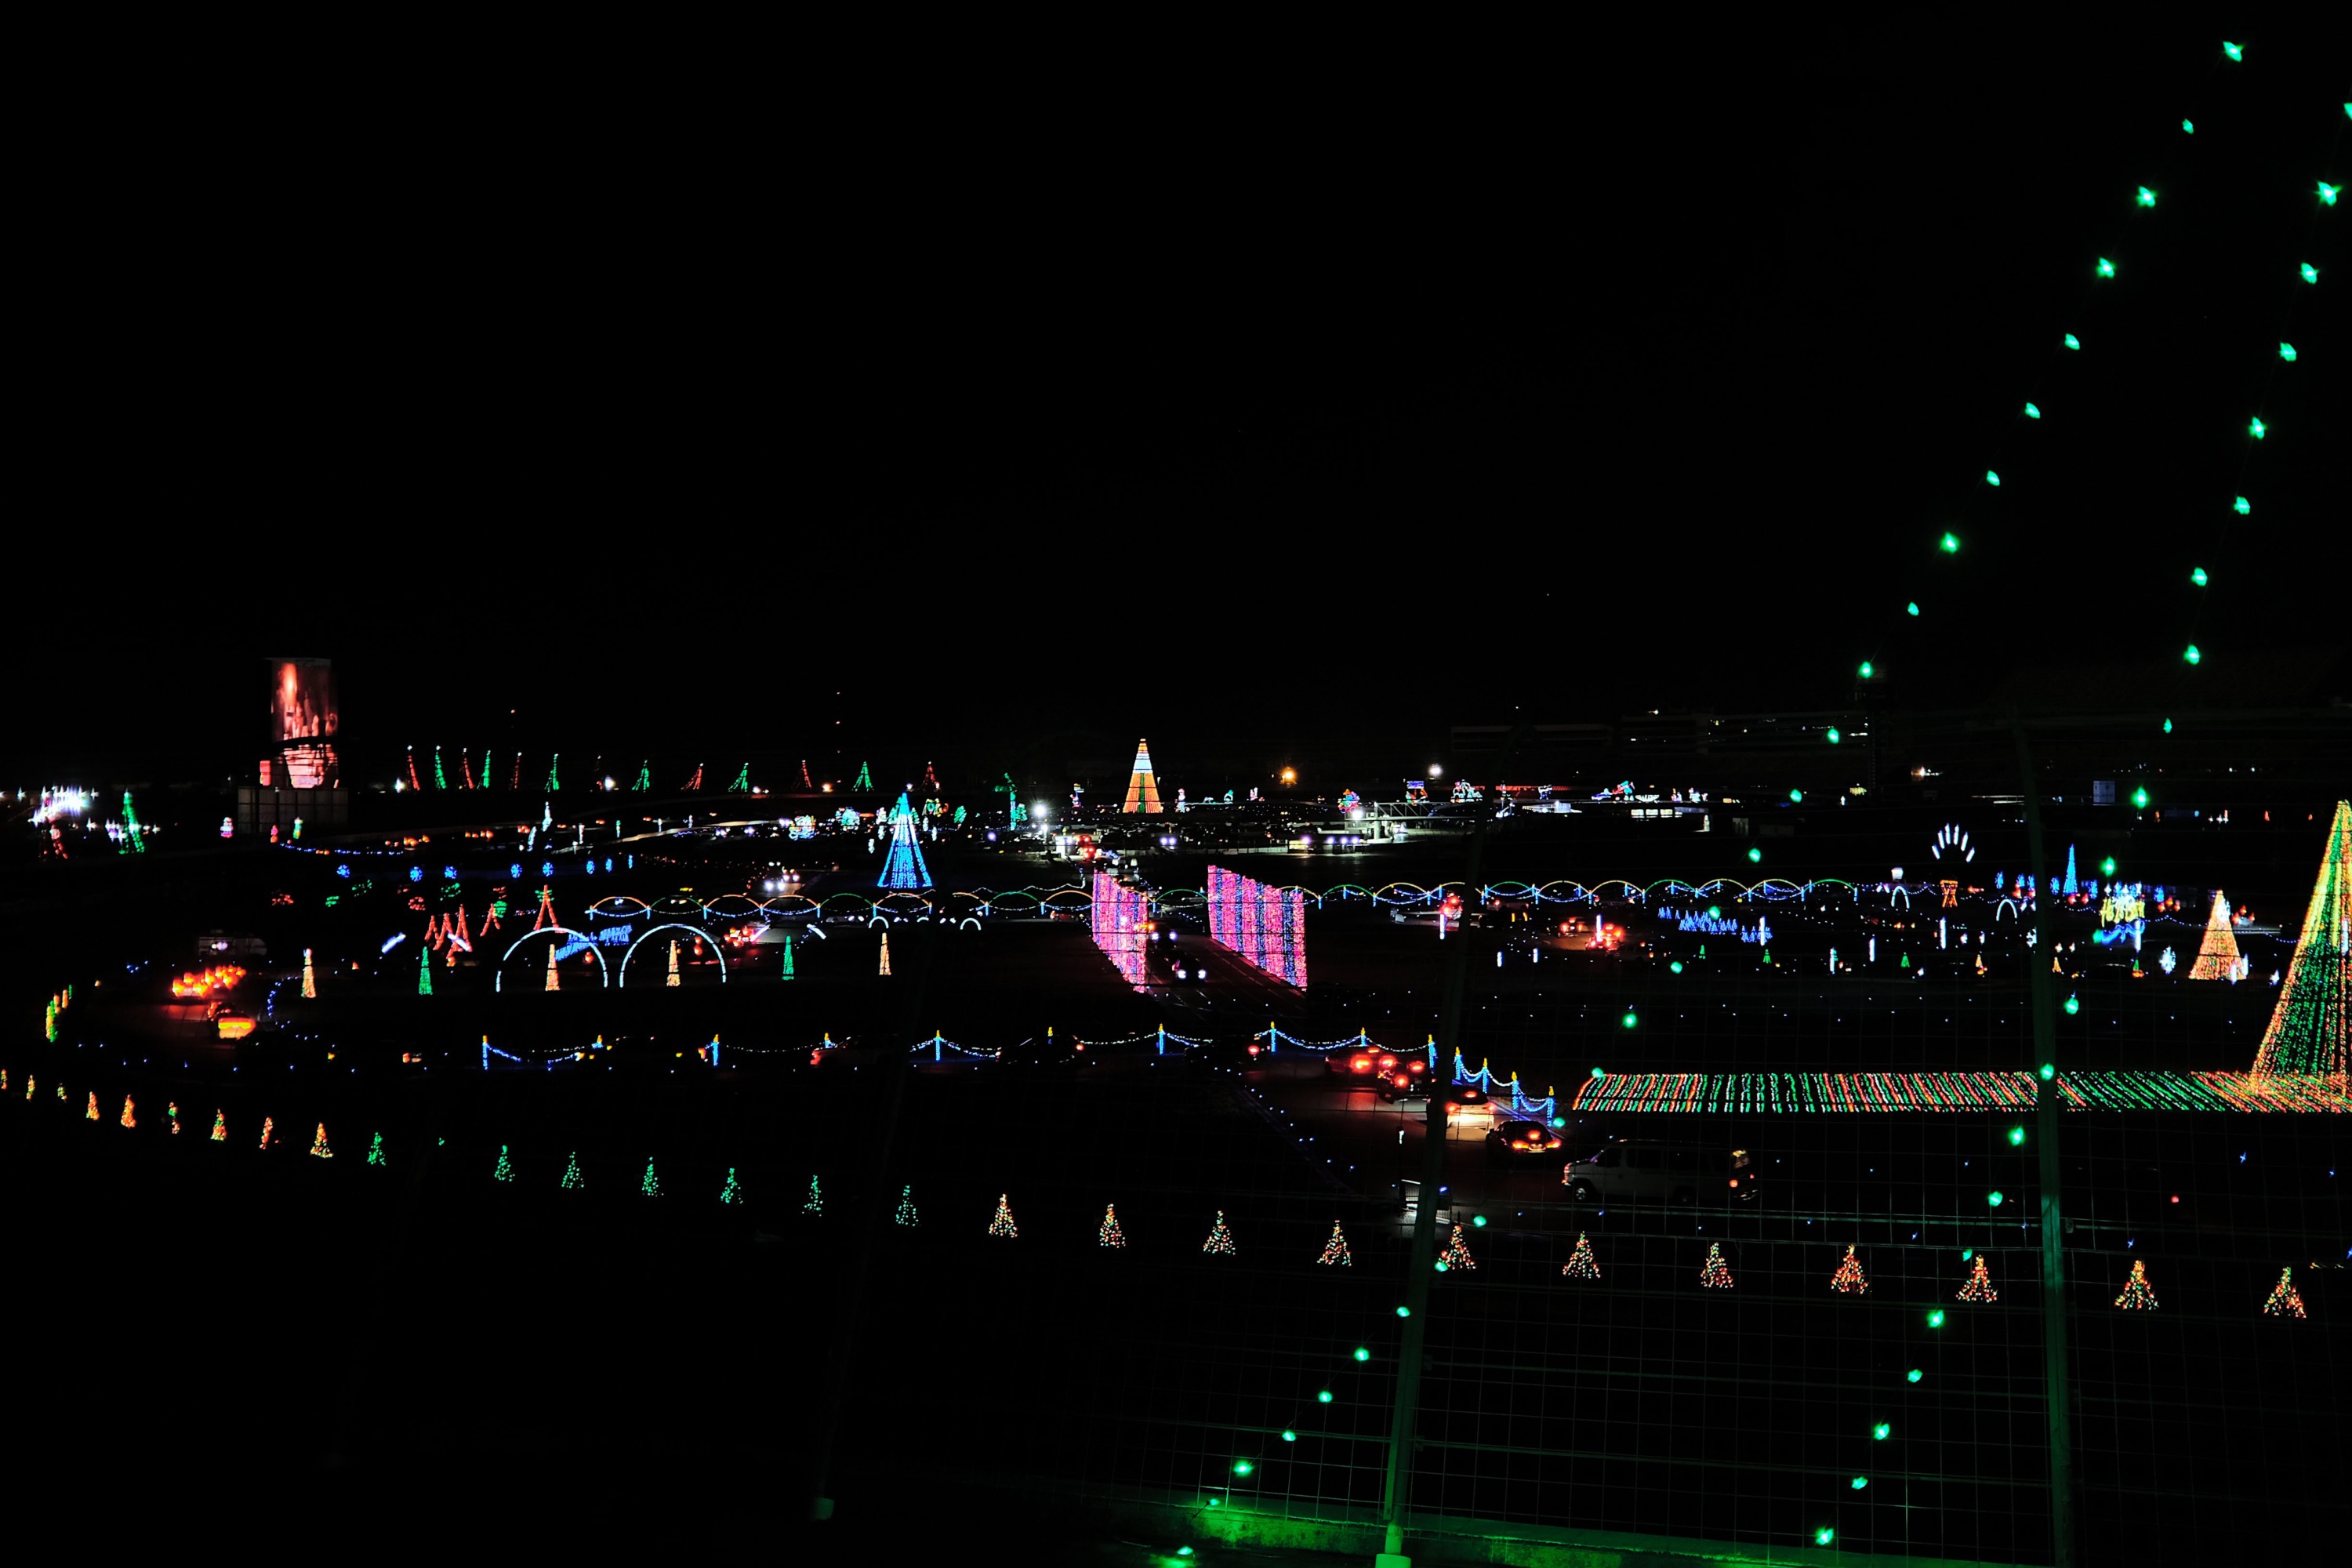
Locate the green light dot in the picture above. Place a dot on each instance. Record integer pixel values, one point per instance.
(2074, 1005)
(1404, 1311)
(1598, 1073)
(2310, 273)
(1288, 1435)
(1882, 1432)
(1478, 1221)
(2197, 575)
(1993, 478)
(1823, 1536)
(1835, 737)
(1860, 1482)
(1442, 1265)
(1363, 1354)
(2190, 126)
(2073, 342)
(2233, 50)
(2192, 654)
(1243, 1466)
(1992, 1200)
(2257, 429)
(1796, 797)
(1950, 544)
(1183, 1551)
(2107, 867)
(1867, 672)
(2327, 193)
(2286, 353)
(1914, 1375)
(1215, 1501)
(2167, 726)
(1912, 608)
(1755, 856)
(2016, 1136)
(1966, 1253)
(2049, 1071)
(1559, 1122)
(2139, 798)
(1324, 1397)
(1629, 1020)
(2106, 267)
(2147, 198)
(2031, 412)
(1715, 912)
(1935, 1318)
(1675, 967)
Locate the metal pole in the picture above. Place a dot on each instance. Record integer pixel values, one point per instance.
(2057, 1388)
(1412, 1347)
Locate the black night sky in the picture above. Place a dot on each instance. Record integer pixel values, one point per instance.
(1266, 391)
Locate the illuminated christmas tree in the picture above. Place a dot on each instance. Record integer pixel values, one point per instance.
(1221, 1239)
(506, 1171)
(903, 869)
(904, 1214)
(673, 962)
(129, 1116)
(319, 1150)
(440, 779)
(733, 1193)
(1110, 1235)
(62, 1095)
(742, 781)
(92, 1114)
(554, 780)
(2310, 1030)
(553, 983)
(375, 1152)
(645, 776)
(787, 973)
(423, 974)
(651, 1187)
(886, 952)
(1581, 1264)
(30, 1084)
(1457, 1254)
(2285, 1300)
(2217, 955)
(1716, 1274)
(170, 1109)
(572, 1181)
(1002, 1224)
(220, 1127)
(547, 917)
(2138, 1295)
(1335, 1249)
(694, 784)
(268, 1130)
(310, 979)
(412, 769)
(1848, 1281)
(865, 778)
(1142, 789)
(1980, 1285)
(813, 1205)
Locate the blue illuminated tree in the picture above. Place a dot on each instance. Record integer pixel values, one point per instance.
(903, 870)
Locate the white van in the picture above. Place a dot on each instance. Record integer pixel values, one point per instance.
(1660, 1171)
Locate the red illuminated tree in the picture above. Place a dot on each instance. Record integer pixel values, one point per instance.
(1980, 1285)
(1716, 1274)
(1849, 1280)
(1581, 1264)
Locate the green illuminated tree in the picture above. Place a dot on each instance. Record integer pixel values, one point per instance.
(814, 1207)
(733, 1193)
(651, 1187)
(2310, 1030)
(904, 1214)
(506, 1171)
(375, 1155)
(572, 1181)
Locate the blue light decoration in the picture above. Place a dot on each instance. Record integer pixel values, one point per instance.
(514, 868)
(450, 872)
(2068, 886)
(394, 941)
(903, 870)
(547, 868)
(344, 872)
(2242, 506)
(416, 873)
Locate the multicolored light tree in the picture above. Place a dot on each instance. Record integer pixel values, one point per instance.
(92, 1113)
(2217, 955)
(1457, 1254)
(903, 869)
(319, 1150)
(2285, 1300)
(1220, 1238)
(1581, 1264)
(2310, 1030)
(1849, 1279)
(220, 1127)
(1978, 1287)
(310, 979)
(1109, 1234)
(1715, 1274)
(268, 1130)
(1002, 1223)
(1335, 1249)
(2138, 1295)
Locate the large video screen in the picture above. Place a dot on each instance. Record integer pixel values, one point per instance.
(301, 701)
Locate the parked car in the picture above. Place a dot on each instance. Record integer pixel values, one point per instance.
(1520, 1143)
(1660, 1171)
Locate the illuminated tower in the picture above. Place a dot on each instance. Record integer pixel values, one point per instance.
(2311, 1029)
(1142, 794)
(2217, 957)
(903, 870)
(552, 983)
